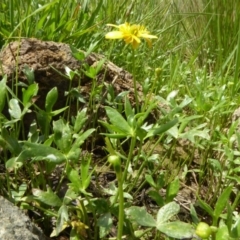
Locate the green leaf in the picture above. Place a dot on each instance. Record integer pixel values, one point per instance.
(221, 204)
(44, 119)
(166, 212)
(28, 93)
(58, 111)
(3, 92)
(49, 198)
(196, 132)
(80, 120)
(156, 197)
(77, 53)
(163, 128)
(105, 224)
(61, 220)
(150, 180)
(69, 196)
(38, 152)
(141, 216)
(51, 99)
(80, 138)
(69, 73)
(14, 109)
(62, 135)
(12, 143)
(74, 177)
(194, 215)
(205, 207)
(172, 190)
(13, 164)
(17, 195)
(74, 154)
(222, 233)
(128, 109)
(111, 128)
(118, 121)
(229, 219)
(235, 232)
(85, 174)
(29, 73)
(179, 230)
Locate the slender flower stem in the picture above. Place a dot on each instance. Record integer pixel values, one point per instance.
(121, 206)
(133, 143)
(116, 162)
(134, 81)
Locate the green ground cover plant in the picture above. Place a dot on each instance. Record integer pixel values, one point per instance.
(178, 137)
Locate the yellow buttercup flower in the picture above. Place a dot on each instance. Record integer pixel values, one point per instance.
(131, 34)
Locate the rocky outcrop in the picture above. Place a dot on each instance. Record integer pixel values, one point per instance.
(15, 225)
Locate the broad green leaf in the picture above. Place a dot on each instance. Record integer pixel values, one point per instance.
(14, 109)
(118, 121)
(172, 190)
(196, 132)
(62, 135)
(28, 93)
(49, 198)
(38, 152)
(79, 55)
(221, 204)
(43, 120)
(80, 138)
(61, 221)
(85, 173)
(105, 223)
(222, 233)
(16, 195)
(235, 232)
(150, 180)
(141, 216)
(3, 92)
(163, 128)
(80, 120)
(74, 154)
(178, 230)
(29, 73)
(166, 212)
(70, 73)
(75, 178)
(62, 215)
(115, 131)
(51, 99)
(185, 102)
(13, 164)
(128, 109)
(12, 143)
(69, 196)
(185, 121)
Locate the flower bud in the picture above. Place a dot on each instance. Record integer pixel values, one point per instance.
(116, 162)
(203, 230)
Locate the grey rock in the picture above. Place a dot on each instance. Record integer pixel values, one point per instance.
(15, 225)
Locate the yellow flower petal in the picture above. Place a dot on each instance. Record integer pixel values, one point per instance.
(131, 34)
(143, 35)
(114, 35)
